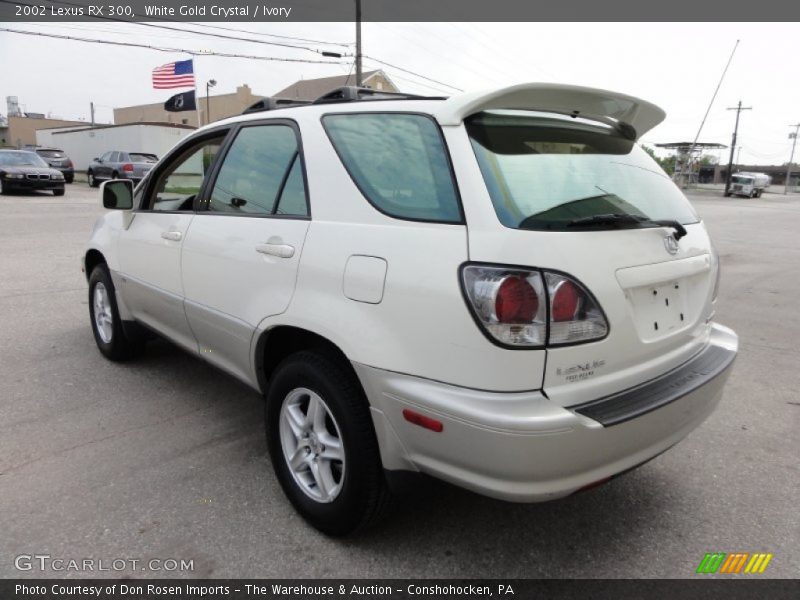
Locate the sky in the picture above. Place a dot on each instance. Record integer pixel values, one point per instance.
(674, 65)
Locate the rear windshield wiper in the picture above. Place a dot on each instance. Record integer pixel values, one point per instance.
(627, 219)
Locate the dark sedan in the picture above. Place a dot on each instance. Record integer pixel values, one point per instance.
(58, 160)
(21, 170)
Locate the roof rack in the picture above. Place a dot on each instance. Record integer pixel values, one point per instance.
(351, 93)
(273, 104)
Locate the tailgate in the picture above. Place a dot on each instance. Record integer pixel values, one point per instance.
(656, 305)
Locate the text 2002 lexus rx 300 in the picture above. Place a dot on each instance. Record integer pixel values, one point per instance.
(498, 289)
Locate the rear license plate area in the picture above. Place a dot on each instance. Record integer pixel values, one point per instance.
(660, 310)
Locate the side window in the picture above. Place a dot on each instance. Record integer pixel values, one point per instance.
(261, 174)
(399, 163)
(177, 185)
(293, 198)
(114, 157)
(106, 157)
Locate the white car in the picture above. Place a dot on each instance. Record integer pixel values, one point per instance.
(499, 289)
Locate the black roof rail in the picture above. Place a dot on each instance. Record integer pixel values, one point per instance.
(274, 104)
(351, 93)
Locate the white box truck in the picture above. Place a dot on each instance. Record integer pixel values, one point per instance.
(751, 185)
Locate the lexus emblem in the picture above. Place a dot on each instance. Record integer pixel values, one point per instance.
(671, 244)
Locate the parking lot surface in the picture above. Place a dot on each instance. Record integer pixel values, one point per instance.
(164, 457)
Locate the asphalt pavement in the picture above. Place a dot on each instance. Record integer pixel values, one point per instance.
(164, 457)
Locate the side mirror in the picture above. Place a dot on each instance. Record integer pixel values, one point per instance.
(95, 159)
(117, 194)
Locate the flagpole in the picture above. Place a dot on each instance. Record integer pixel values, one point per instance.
(196, 102)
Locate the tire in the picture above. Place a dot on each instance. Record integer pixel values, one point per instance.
(58, 192)
(727, 194)
(114, 175)
(69, 179)
(2, 191)
(357, 495)
(92, 179)
(108, 331)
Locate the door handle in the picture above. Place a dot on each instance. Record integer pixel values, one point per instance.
(279, 250)
(173, 236)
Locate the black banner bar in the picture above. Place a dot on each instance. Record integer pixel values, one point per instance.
(396, 10)
(398, 589)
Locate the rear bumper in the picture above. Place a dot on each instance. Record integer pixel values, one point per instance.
(523, 447)
(67, 172)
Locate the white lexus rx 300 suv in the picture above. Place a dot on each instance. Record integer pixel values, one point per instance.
(498, 289)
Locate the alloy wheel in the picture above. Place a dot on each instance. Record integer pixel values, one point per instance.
(103, 317)
(311, 442)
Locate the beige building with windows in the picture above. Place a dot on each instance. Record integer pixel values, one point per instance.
(223, 106)
(311, 89)
(21, 131)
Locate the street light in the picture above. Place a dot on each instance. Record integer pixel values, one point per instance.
(209, 84)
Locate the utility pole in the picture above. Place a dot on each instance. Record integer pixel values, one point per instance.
(738, 110)
(791, 158)
(359, 74)
(91, 112)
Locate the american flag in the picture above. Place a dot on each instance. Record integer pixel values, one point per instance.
(176, 74)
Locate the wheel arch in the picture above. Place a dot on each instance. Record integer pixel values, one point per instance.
(275, 344)
(91, 259)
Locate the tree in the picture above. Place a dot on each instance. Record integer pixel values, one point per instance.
(668, 163)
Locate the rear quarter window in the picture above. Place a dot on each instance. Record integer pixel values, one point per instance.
(399, 162)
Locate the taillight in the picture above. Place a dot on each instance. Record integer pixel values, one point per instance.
(509, 304)
(524, 308)
(128, 168)
(574, 314)
(69, 163)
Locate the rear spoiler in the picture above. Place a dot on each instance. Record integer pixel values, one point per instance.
(631, 116)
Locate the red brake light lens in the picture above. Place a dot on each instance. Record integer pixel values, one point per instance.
(565, 301)
(128, 168)
(516, 301)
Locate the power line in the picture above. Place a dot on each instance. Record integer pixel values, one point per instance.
(183, 30)
(703, 122)
(407, 80)
(167, 49)
(275, 35)
(383, 62)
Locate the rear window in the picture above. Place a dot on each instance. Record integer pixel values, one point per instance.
(142, 158)
(742, 180)
(51, 153)
(556, 175)
(399, 163)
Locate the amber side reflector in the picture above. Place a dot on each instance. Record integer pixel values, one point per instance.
(421, 420)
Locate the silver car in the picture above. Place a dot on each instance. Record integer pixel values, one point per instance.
(120, 165)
